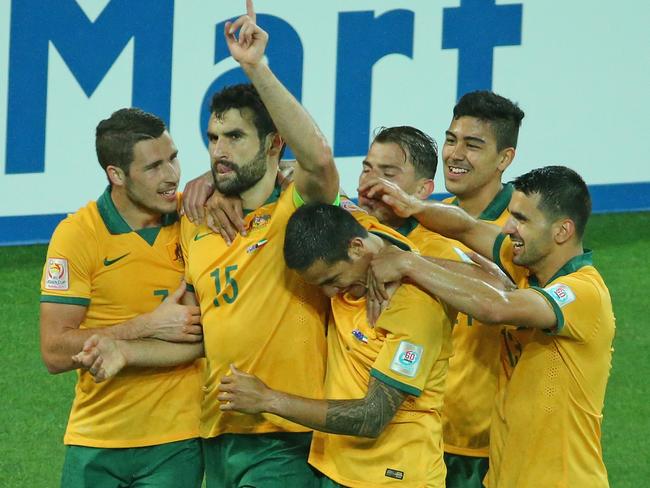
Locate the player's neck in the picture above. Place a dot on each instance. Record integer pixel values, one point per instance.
(476, 202)
(135, 215)
(546, 268)
(259, 193)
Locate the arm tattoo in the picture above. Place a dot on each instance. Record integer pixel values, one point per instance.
(367, 416)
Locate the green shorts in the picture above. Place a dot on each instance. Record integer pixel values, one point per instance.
(465, 471)
(259, 461)
(160, 466)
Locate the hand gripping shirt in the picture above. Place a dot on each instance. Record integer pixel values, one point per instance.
(546, 426)
(474, 367)
(408, 349)
(96, 261)
(256, 313)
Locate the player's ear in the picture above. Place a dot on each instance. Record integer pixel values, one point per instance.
(505, 158)
(115, 175)
(356, 248)
(425, 188)
(563, 230)
(276, 144)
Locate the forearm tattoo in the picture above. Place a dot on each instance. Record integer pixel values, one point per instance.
(365, 417)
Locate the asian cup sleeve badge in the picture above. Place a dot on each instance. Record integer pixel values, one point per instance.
(256, 246)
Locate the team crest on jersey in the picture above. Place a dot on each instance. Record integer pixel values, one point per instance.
(259, 222)
(561, 293)
(56, 274)
(406, 360)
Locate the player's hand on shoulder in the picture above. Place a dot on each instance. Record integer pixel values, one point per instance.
(242, 392)
(246, 40)
(101, 356)
(195, 196)
(225, 216)
(173, 322)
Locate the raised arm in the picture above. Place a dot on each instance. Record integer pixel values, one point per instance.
(448, 220)
(61, 335)
(315, 175)
(463, 291)
(364, 417)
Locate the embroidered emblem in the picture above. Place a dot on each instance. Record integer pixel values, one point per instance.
(407, 359)
(56, 275)
(561, 293)
(256, 246)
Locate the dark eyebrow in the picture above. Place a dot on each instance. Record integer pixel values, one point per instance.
(235, 132)
(518, 216)
(474, 139)
(153, 164)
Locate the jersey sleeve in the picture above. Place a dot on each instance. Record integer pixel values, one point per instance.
(298, 201)
(69, 266)
(502, 256)
(576, 304)
(415, 326)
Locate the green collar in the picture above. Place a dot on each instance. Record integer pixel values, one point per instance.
(571, 266)
(407, 227)
(273, 197)
(117, 225)
(387, 237)
(498, 204)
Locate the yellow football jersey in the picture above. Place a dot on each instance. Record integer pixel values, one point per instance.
(408, 349)
(546, 426)
(474, 367)
(95, 260)
(256, 314)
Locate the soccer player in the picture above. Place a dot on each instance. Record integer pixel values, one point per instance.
(546, 423)
(109, 266)
(381, 423)
(480, 144)
(256, 314)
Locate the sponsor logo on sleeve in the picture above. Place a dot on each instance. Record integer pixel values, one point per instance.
(561, 293)
(407, 359)
(56, 274)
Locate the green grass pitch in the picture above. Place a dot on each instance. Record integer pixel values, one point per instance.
(35, 404)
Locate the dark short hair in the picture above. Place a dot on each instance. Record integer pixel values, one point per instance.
(562, 191)
(116, 136)
(503, 115)
(319, 231)
(240, 97)
(416, 145)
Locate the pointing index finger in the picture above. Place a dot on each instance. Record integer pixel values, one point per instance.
(250, 11)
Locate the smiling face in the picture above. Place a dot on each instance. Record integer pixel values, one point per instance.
(237, 156)
(389, 161)
(470, 156)
(152, 179)
(529, 229)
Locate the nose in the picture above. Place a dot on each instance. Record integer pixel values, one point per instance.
(330, 291)
(510, 227)
(366, 174)
(217, 150)
(456, 152)
(172, 171)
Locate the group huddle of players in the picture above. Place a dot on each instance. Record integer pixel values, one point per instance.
(263, 330)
